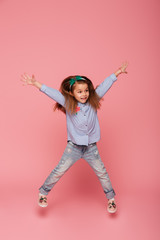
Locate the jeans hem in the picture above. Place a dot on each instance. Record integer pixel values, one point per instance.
(110, 194)
(42, 191)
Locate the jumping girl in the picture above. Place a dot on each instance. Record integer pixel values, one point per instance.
(79, 100)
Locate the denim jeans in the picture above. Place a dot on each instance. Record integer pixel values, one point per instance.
(71, 154)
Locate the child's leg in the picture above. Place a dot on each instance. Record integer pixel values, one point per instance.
(69, 157)
(93, 158)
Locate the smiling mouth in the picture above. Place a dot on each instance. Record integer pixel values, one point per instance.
(84, 98)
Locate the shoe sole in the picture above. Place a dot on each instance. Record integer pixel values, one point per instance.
(112, 211)
(43, 206)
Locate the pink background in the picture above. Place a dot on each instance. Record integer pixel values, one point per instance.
(54, 39)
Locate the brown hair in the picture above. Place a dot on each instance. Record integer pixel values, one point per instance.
(70, 102)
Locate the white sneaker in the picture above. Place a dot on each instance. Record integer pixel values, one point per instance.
(112, 208)
(42, 201)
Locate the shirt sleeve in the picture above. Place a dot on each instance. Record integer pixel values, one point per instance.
(54, 94)
(105, 85)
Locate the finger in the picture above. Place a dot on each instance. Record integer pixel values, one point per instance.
(123, 64)
(28, 76)
(23, 80)
(33, 76)
(24, 83)
(127, 63)
(24, 76)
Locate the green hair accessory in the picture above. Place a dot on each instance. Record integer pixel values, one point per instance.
(73, 80)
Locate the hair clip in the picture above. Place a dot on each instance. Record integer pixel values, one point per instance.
(73, 80)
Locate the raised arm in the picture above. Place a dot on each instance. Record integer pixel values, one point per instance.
(27, 80)
(108, 82)
(50, 92)
(121, 69)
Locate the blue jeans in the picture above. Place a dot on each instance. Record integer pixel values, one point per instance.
(71, 154)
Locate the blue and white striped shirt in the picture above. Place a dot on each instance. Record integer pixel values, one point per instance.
(82, 128)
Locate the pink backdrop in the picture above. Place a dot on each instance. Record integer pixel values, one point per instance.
(54, 39)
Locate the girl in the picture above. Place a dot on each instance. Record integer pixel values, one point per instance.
(79, 100)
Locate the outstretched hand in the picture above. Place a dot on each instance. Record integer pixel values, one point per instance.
(123, 67)
(27, 80)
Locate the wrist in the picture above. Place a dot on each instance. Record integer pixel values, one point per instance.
(37, 84)
(119, 71)
(34, 83)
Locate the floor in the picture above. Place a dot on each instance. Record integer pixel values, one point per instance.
(77, 216)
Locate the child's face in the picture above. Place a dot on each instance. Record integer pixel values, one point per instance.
(81, 92)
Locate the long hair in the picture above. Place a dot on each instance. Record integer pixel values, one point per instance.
(70, 102)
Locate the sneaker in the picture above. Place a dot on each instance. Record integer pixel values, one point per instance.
(42, 202)
(112, 208)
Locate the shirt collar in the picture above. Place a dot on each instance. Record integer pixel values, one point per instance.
(82, 104)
